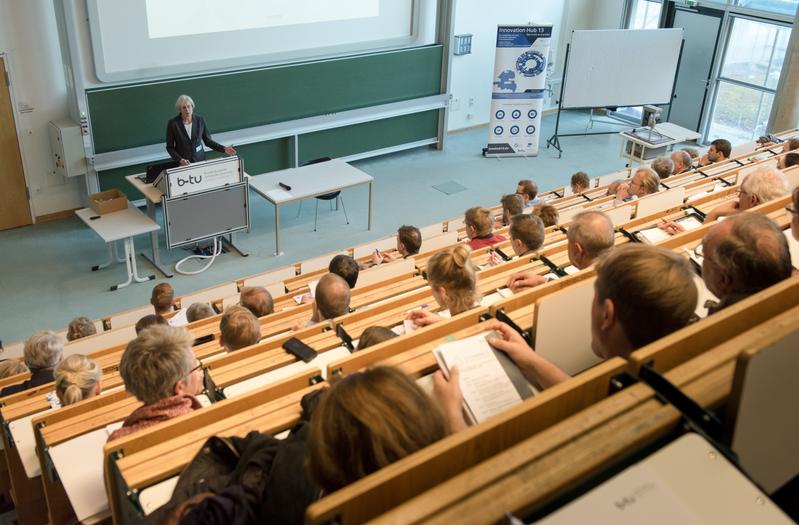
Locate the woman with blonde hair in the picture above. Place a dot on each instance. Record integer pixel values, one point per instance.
(11, 367)
(80, 327)
(77, 378)
(479, 228)
(453, 281)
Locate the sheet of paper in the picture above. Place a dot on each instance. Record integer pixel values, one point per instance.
(653, 235)
(490, 299)
(487, 389)
(505, 292)
(312, 288)
(79, 463)
(571, 270)
(278, 194)
(157, 495)
(180, 319)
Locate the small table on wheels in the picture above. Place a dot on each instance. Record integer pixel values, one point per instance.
(308, 181)
(637, 141)
(120, 225)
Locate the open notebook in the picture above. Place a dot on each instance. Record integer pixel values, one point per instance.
(489, 380)
(654, 234)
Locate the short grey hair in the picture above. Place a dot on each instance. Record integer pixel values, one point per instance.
(198, 311)
(766, 183)
(594, 231)
(754, 254)
(684, 157)
(43, 350)
(183, 99)
(663, 166)
(155, 361)
(650, 181)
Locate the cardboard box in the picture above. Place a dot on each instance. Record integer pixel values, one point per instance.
(108, 201)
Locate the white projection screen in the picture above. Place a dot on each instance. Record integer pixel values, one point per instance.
(149, 39)
(621, 67)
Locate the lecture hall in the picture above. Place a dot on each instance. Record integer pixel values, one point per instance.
(399, 261)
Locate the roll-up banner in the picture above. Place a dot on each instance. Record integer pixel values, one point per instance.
(517, 97)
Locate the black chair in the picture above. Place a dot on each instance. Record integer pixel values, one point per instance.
(330, 197)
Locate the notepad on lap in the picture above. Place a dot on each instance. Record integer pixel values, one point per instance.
(489, 380)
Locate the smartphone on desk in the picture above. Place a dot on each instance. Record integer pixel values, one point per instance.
(299, 350)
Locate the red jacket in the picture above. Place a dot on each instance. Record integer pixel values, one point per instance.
(162, 410)
(477, 242)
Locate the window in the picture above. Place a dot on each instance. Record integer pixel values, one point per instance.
(645, 14)
(750, 71)
(785, 7)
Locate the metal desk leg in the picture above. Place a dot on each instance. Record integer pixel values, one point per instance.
(369, 226)
(277, 231)
(156, 258)
(230, 243)
(130, 264)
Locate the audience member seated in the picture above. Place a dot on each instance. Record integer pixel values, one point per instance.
(238, 328)
(528, 191)
(198, 311)
(579, 182)
(765, 184)
(743, 255)
(373, 335)
(12, 367)
(479, 228)
(642, 293)
(258, 300)
(80, 327)
(409, 242)
(720, 150)
(149, 320)
(526, 234)
(159, 368)
(368, 421)
(547, 213)
(590, 235)
(361, 424)
(453, 280)
(791, 144)
(163, 298)
(644, 182)
(511, 205)
(692, 152)
(664, 167)
(331, 299)
(77, 378)
(791, 159)
(682, 162)
(42, 352)
(345, 267)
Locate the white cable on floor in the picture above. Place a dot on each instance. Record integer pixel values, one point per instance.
(217, 251)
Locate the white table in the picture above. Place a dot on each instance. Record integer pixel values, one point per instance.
(120, 225)
(153, 196)
(308, 181)
(674, 133)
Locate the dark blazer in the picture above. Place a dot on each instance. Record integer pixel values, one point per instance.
(38, 377)
(180, 146)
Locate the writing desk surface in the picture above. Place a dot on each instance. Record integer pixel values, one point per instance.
(119, 224)
(308, 181)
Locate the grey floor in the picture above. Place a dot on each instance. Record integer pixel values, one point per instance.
(44, 269)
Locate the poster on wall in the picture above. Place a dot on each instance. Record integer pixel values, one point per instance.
(517, 97)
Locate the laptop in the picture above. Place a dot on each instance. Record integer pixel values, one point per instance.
(154, 170)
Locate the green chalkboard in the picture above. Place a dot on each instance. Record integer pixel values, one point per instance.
(135, 115)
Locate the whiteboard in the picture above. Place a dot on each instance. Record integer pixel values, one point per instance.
(621, 67)
(206, 215)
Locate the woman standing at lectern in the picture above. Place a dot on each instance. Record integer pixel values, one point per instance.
(186, 133)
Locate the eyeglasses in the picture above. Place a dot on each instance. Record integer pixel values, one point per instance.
(198, 367)
(792, 211)
(699, 250)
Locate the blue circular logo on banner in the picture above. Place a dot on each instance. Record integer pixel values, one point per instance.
(531, 63)
(500, 114)
(498, 130)
(516, 114)
(532, 113)
(530, 129)
(514, 130)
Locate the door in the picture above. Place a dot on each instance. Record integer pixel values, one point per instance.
(14, 208)
(701, 28)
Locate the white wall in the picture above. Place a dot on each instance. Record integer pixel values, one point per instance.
(29, 39)
(471, 76)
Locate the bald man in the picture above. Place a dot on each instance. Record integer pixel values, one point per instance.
(331, 299)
